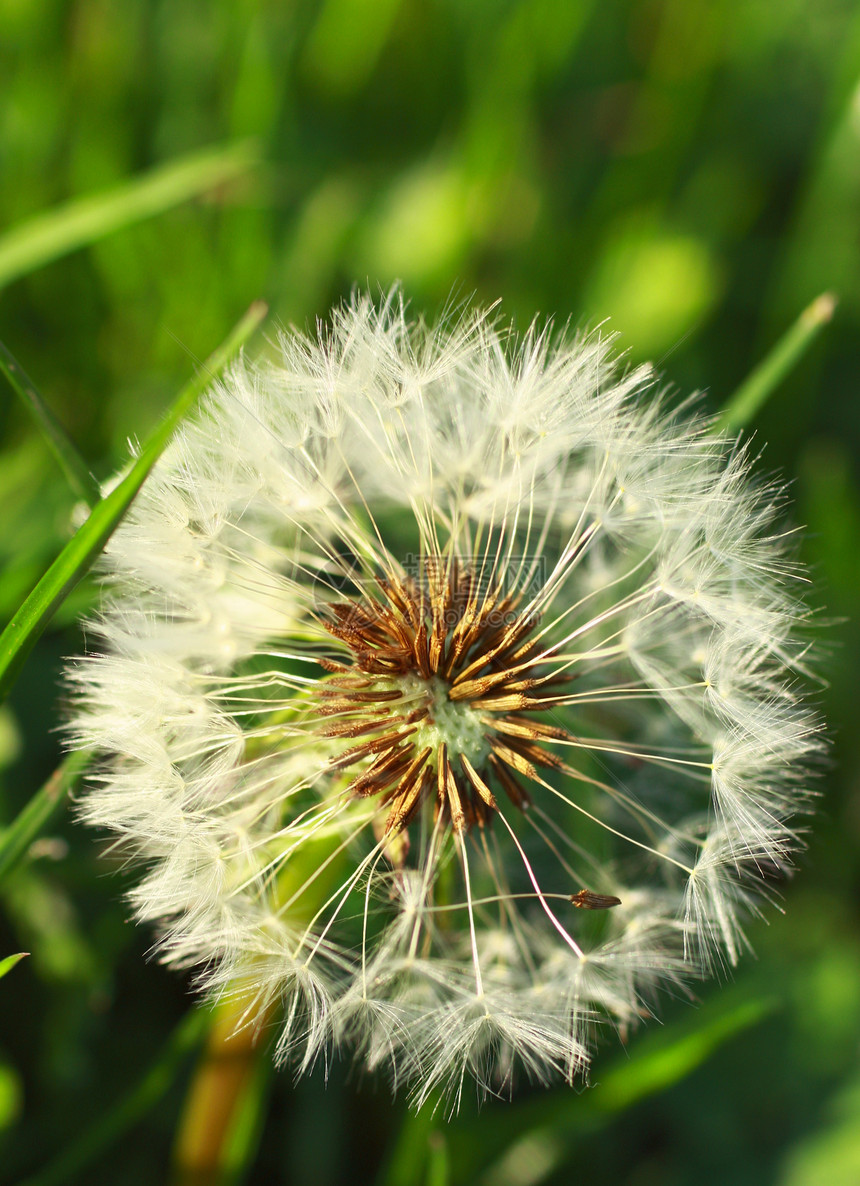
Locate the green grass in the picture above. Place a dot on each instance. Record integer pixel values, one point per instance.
(687, 170)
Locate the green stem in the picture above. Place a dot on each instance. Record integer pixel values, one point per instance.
(221, 1122)
(752, 394)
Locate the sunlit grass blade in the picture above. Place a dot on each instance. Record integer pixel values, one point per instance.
(76, 558)
(438, 1168)
(112, 1125)
(80, 479)
(410, 1150)
(540, 1133)
(7, 964)
(31, 820)
(668, 1063)
(85, 220)
(767, 376)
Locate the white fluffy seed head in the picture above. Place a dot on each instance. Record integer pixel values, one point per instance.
(446, 692)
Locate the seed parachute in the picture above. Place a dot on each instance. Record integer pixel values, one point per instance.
(447, 697)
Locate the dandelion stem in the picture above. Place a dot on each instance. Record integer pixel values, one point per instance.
(220, 1123)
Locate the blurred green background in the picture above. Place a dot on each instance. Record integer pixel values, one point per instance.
(688, 171)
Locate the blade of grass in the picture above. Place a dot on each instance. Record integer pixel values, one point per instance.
(85, 220)
(7, 964)
(411, 1149)
(112, 1125)
(752, 394)
(80, 479)
(660, 1068)
(541, 1132)
(17, 838)
(78, 555)
(438, 1168)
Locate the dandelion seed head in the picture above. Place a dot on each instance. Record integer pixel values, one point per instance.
(448, 692)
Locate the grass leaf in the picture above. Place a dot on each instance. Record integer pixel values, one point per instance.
(108, 1128)
(669, 1063)
(533, 1139)
(17, 838)
(757, 388)
(85, 220)
(410, 1150)
(7, 964)
(85, 545)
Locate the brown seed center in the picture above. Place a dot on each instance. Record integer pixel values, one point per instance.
(440, 675)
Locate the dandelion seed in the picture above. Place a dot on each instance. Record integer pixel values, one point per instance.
(411, 635)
